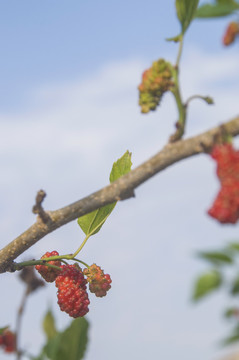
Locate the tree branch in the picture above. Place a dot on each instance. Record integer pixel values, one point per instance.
(121, 189)
(38, 209)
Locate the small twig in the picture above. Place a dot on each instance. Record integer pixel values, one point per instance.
(32, 283)
(19, 321)
(38, 209)
(207, 99)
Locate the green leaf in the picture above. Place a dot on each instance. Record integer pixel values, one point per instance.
(42, 356)
(234, 246)
(70, 344)
(216, 257)
(91, 223)
(121, 167)
(226, 2)
(235, 286)
(233, 338)
(51, 349)
(206, 283)
(3, 329)
(231, 313)
(49, 325)
(185, 11)
(174, 38)
(217, 10)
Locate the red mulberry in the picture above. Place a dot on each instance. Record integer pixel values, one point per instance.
(8, 341)
(72, 295)
(48, 273)
(226, 205)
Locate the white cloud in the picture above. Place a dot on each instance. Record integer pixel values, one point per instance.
(204, 69)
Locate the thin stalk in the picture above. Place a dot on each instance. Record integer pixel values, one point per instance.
(207, 99)
(180, 125)
(180, 49)
(82, 262)
(81, 247)
(88, 235)
(19, 322)
(19, 266)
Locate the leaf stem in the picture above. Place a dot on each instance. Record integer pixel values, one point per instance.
(80, 248)
(180, 49)
(88, 235)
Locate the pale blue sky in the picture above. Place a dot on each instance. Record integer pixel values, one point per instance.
(68, 109)
(45, 41)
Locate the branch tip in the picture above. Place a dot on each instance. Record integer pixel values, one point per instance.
(38, 209)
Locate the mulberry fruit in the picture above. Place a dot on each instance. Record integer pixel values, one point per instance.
(155, 82)
(72, 295)
(99, 283)
(49, 273)
(8, 341)
(226, 205)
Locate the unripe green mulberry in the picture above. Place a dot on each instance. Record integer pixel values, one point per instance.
(155, 82)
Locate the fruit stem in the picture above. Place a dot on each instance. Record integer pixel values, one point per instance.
(19, 266)
(180, 49)
(82, 262)
(180, 125)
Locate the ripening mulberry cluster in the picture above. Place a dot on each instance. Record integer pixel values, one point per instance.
(226, 205)
(155, 82)
(48, 273)
(8, 341)
(99, 283)
(71, 284)
(231, 32)
(72, 294)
